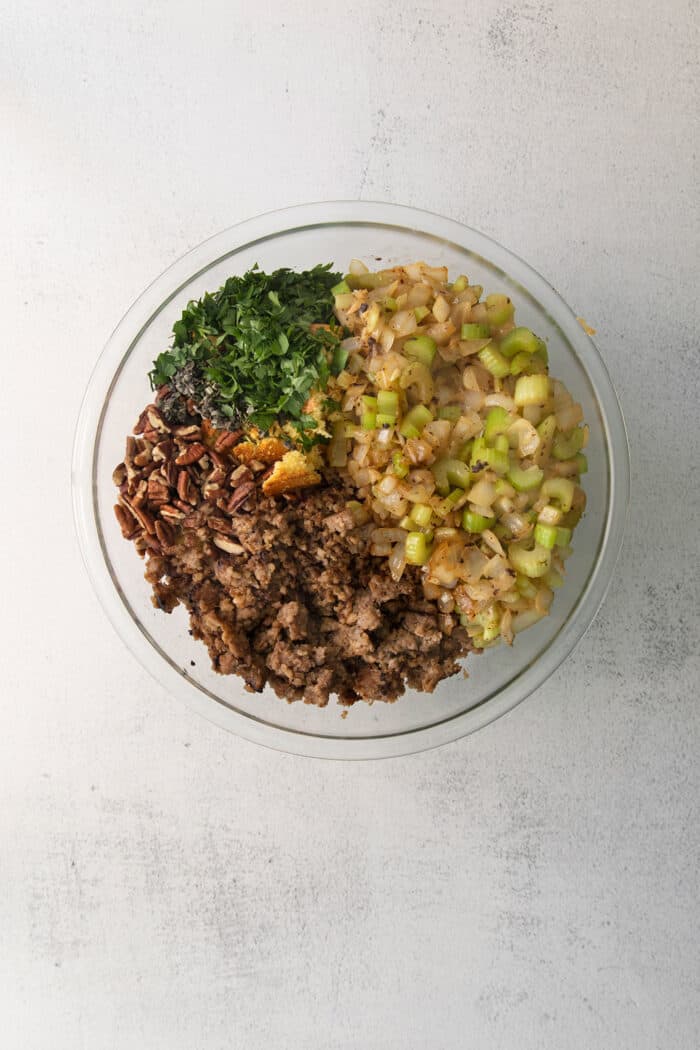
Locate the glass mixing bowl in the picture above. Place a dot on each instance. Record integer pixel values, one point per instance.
(380, 234)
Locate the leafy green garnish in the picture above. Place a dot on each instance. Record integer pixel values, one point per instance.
(247, 354)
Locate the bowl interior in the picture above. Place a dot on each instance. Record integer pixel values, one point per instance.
(162, 641)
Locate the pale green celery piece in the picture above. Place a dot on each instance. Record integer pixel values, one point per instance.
(497, 421)
(499, 309)
(475, 331)
(520, 340)
(416, 548)
(560, 491)
(494, 362)
(472, 522)
(399, 465)
(525, 480)
(414, 421)
(421, 348)
(533, 563)
(545, 535)
(531, 390)
(422, 514)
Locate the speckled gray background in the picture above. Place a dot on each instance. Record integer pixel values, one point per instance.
(164, 886)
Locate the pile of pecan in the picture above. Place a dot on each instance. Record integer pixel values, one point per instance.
(182, 477)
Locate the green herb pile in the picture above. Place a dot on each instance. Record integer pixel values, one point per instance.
(246, 354)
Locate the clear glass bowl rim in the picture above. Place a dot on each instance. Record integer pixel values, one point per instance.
(323, 214)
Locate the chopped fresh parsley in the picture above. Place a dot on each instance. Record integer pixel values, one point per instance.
(249, 354)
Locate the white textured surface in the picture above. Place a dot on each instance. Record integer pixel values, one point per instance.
(165, 886)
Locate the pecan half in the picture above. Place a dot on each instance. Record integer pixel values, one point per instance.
(220, 524)
(127, 522)
(183, 485)
(171, 473)
(141, 423)
(227, 439)
(157, 491)
(240, 496)
(156, 420)
(163, 450)
(188, 433)
(171, 513)
(142, 516)
(240, 475)
(191, 454)
(165, 533)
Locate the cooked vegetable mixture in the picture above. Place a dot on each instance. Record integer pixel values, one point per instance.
(442, 450)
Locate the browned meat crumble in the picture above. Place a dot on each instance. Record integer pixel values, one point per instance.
(282, 590)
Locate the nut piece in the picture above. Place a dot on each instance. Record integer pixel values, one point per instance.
(240, 495)
(165, 533)
(127, 523)
(191, 454)
(227, 545)
(226, 439)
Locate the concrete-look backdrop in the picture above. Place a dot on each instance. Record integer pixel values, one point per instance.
(165, 886)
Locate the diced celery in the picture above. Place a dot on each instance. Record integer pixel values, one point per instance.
(472, 522)
(439, 472)
(542, 351)
(567, 446)
(390, 304)
(365, 280)
(458, 473)
(451, 412)
(341, 288)
(420, 313)
(498, 420)
(545, 535)
(461, 284)
(416, 548)
(369, 403)
(499, 309)
(475, 331)
(385, 419)
(560, 490)
(520, 363)
(525, 480)
(337, 447)
(582, 463)
(563, 536)
(501, 444)
(400, 465)
(525, 586)
(422, 348)
(520, 340)
(531, 390)
(388, 402)
(479, 453)
(494, 362)
(422, 514)
(533, 563)
(368, 421)
(498, 459)
(414, 421)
